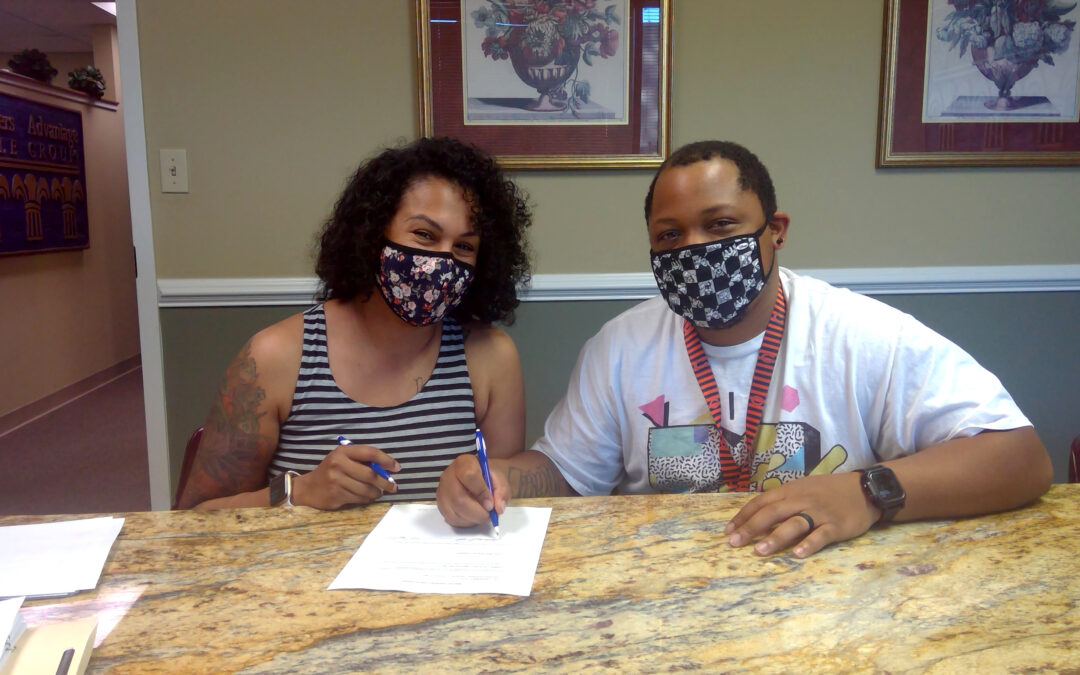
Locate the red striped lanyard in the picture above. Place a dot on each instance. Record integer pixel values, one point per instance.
(737, 476)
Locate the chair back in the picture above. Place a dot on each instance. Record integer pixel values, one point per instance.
(185, 468)
(1074, 461)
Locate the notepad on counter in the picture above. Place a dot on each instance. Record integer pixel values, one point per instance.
(40, 649)
(55, 558)
(414, 549)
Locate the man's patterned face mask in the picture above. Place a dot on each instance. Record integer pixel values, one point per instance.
(421, 286)
(711, 284)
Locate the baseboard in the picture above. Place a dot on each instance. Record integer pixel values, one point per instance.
(268, 291)
(31, 411)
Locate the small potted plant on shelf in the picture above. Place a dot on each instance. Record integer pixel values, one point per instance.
(32, 63)
(88, 80)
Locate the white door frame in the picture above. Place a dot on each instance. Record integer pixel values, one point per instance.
(142, 234)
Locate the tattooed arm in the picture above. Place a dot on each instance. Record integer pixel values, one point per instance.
(241, 430)
(533, 474)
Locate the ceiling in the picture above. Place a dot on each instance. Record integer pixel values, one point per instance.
(49, 25)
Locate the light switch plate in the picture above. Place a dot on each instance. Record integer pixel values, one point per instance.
(174, 176)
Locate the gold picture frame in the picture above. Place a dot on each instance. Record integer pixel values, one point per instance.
(473, 77)
(911, 134)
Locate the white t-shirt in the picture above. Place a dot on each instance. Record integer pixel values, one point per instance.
(856, 382)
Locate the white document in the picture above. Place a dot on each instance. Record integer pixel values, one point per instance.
(11, 626)
(413, 549)
(55, 558)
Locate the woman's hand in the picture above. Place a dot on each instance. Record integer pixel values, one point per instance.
(835, 503)
(463, 497)
(343, 478)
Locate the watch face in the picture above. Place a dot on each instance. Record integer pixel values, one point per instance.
(888, 491)
(884, 486)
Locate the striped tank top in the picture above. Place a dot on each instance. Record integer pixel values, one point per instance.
(424, 434)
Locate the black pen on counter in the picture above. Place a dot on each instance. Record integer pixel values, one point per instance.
(481, 455)
(65, 661)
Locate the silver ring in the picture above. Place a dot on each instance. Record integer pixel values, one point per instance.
(808, 519)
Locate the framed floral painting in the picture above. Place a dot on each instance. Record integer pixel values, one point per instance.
(548, 84)
(980, 83)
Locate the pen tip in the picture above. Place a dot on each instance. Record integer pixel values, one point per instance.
(498, 535)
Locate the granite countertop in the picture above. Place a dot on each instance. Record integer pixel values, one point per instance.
(623, 583)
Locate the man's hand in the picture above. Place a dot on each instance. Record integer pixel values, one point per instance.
(835, 503)
(343, 478)
(463, 496)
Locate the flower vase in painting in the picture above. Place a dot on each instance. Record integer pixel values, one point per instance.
(547, 42)
(1008, 39)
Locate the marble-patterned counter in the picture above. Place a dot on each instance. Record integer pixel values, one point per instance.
(624, 583)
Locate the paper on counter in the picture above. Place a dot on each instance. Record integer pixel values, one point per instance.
(11, 626)
(55, 558)
(414, 549)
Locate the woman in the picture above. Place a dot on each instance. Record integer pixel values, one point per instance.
(425, 248)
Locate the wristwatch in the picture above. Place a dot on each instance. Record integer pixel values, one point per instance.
(281, 488)
(883, 490)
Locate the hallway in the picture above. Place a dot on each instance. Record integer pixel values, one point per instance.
(87, 456)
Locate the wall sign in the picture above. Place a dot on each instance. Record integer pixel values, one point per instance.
(42, 178)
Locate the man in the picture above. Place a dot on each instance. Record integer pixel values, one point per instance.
(856, 413)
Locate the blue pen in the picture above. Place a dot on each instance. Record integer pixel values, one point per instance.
(374, 467)
(481, 455)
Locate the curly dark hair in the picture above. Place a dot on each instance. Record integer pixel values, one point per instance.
(350, 242)
(753, 175)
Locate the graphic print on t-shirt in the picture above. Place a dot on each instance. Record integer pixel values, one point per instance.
(684, 458)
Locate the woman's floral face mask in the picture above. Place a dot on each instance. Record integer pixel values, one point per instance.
(422, 286)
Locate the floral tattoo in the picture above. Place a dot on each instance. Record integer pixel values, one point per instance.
(232, 450)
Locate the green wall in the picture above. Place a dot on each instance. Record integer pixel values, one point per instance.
(1027, 339)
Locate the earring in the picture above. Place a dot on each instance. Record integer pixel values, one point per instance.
(780, 240)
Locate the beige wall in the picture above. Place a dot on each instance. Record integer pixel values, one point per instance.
(65, 316)
(276, 101)
(798, 82)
